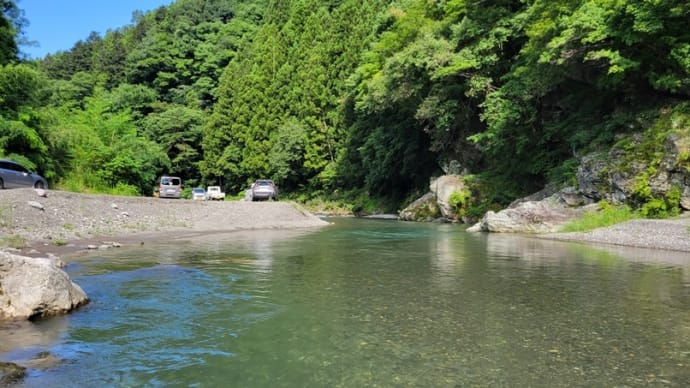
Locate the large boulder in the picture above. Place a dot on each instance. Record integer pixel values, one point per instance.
(435, 205)
(544, 216)
(35, 287)
(443, 187)
(423, 209)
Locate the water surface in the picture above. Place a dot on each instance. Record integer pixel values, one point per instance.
(367, 303)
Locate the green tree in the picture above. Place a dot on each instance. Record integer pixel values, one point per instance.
(11, 24)
(177, 130)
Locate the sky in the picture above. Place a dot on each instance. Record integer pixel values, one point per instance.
(56, 25)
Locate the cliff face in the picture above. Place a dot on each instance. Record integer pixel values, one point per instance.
(650, 174)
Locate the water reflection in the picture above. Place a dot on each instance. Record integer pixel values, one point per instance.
(22, 339)
(372, 303)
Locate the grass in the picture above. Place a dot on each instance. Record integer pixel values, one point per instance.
(12, 241)
(608, 215)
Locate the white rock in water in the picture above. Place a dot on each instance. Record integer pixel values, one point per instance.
(36, 205)
(35, 287)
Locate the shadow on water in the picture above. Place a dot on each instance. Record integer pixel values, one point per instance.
(368, 303)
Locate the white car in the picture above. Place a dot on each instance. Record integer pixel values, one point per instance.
(198, 194)
(214, 193)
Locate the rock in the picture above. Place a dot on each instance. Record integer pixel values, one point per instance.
(114, 205)
(685, 199)
(538, 196)
(545, 216)
(615, 175)
(35, 287)
(36, 205)
(41, 193)
(11, 373)
(423, 209)
(43, 361)
(443, 187)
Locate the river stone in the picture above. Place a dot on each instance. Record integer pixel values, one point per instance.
(11, 373)
(35, 287)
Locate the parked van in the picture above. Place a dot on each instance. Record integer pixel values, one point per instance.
(170, 187)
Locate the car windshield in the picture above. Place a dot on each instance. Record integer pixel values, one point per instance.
(198, 190)
(171, 181)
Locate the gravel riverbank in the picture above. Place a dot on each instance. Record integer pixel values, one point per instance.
(65, 221)
(669, 234)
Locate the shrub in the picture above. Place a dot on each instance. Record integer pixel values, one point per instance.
(460, 201)
(665, 207)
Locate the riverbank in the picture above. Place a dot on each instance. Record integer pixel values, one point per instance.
(667, 234)
(63, 222)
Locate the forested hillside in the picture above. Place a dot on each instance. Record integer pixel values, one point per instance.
(367, 98)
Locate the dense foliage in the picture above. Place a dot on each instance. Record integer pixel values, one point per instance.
(326, 96)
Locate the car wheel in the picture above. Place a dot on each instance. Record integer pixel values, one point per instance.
(2, 184)
(39, 185)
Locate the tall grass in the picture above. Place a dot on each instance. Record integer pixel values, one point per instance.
(607, 215)
(80, 184)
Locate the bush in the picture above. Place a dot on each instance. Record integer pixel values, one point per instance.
(668, 206)
(460, 201)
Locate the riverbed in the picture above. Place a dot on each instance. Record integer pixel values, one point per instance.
(366, 303)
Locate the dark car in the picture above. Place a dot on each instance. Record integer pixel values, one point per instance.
(264, 189)
(13, 175)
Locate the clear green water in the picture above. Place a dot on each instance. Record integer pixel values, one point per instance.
(365, 303)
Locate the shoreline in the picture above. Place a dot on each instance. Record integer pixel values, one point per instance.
(73, 222)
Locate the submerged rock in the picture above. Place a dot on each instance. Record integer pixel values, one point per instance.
(11, 373)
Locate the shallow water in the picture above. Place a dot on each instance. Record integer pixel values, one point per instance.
(367, 303)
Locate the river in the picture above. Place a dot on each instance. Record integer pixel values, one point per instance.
(364, 303)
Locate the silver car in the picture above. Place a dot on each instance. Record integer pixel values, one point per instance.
(264, 189)
(13, 175)
(170, 187)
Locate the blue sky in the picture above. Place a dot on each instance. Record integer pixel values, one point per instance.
(58, 24)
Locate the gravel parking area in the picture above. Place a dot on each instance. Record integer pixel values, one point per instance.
(63, 220)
